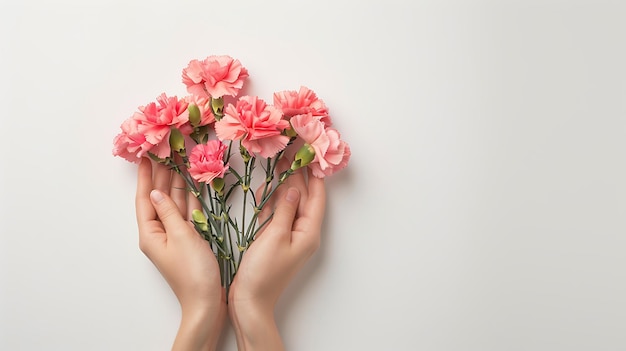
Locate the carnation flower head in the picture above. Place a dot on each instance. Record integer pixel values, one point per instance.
(331, 153)
(259, 126)
(300, 102)
(130, 144)
(214, 76)
(336, 157)
(157, 118)
(206, 161)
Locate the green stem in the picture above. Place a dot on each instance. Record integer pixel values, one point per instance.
(250, 233)
(269, 177)
(227, 224)
(228, 154)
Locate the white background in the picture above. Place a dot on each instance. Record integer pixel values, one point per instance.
(483, 208)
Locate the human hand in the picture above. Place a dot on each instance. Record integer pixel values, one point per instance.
(277, 254)
(183, 258)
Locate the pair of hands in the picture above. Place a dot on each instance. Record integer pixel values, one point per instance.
(187, 263)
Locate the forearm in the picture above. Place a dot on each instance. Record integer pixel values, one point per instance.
(256, 329)
(199, 331)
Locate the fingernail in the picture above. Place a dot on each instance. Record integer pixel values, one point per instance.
(292, 195)
(156, 196)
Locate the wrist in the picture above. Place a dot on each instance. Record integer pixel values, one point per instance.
(200, 328)
(255, 326)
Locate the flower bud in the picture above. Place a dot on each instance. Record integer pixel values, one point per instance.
(218, 185)
(245, 155)
(217, 106)
(303, 157)
(194, 115)
(290, 132)
(177, 140)
(198, 218)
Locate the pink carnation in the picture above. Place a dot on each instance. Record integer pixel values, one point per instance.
(130, 144)
(331, 153)
(157, 118)
(216, 76)
(206, 161)
(305, 101)
(337, 155)
(256, 124)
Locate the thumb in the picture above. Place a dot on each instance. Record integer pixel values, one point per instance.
(167, 211)
(285, 212)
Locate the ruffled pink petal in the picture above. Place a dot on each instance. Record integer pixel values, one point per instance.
(229, 128)
(193, 73)
(316, 170)
(130, 144)
(304, 101)
(154, 134)
(256, 124)
(206, 161)
(120, 148)
(197, 90)
(216, 76)
(162, 150)
(267, 147)
(335, 151)
(311, 130)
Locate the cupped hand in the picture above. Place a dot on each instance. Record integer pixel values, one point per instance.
(183, 258)
(279, 251)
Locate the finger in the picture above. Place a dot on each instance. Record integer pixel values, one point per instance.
(316, 201)
(282, 166)
(297, 180)
(178, 193)
(168, 212)
(162, 177)
(302, 184)
(145, 212)
(285, 213)
(307, 229)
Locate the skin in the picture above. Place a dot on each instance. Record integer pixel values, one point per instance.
(182, 257)
(277, 254)
(168, 239)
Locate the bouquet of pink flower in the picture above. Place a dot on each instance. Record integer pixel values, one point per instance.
(195, 136)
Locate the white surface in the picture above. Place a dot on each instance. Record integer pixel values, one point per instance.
(483, 209)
